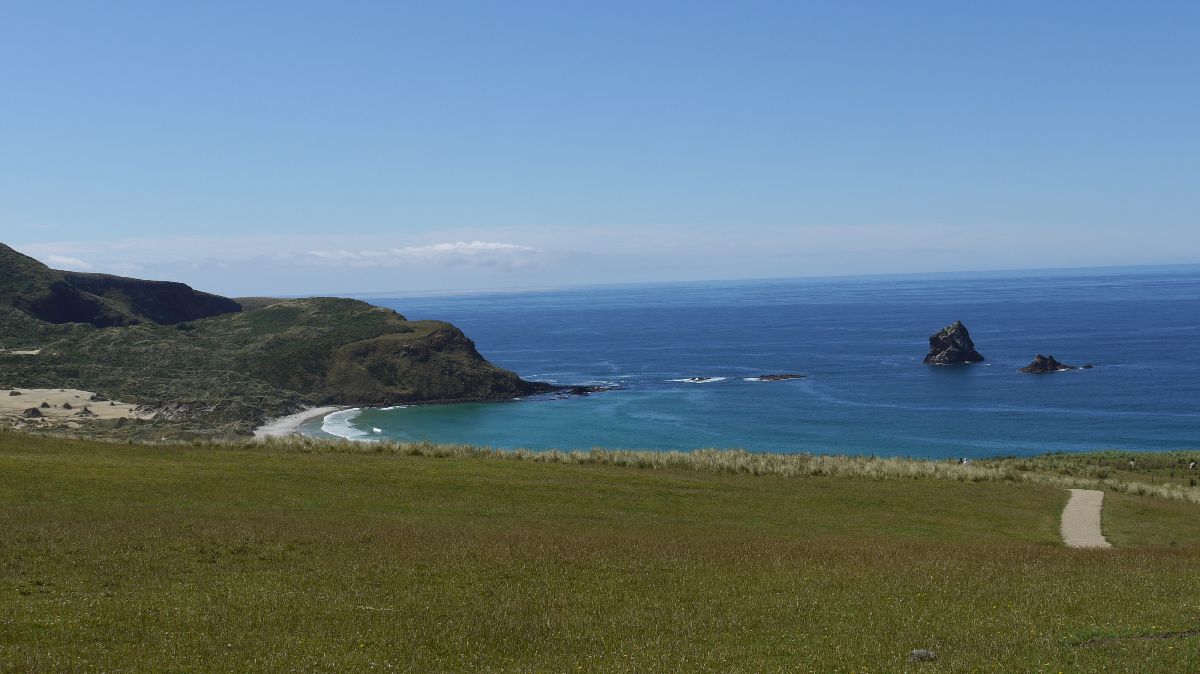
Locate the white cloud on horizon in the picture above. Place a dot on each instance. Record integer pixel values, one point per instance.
(482, 258)
(68, 263)
(297, 264)
(483, 253)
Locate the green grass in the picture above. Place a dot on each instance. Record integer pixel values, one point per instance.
(1133, 521)
(286, 557)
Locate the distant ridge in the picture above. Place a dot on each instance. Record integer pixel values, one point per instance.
(101, 300)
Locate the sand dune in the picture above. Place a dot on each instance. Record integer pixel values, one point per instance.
(62, 405)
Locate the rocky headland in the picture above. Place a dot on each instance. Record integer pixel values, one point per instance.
(200, 364)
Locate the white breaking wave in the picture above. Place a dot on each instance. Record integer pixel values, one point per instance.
(339, 424)
(699, 380)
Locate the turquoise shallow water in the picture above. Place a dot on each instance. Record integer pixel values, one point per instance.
(859, 341)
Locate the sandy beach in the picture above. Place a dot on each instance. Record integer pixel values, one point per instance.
(291, 424)
(57, 406)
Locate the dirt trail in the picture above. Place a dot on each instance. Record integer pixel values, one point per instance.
(1081, 520)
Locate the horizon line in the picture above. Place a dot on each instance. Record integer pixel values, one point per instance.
(1007, 271)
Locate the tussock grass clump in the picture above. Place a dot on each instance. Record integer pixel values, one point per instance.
(730, 461)
(1162, 475)
(1056, 470)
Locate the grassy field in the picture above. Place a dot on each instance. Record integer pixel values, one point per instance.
(247, 558)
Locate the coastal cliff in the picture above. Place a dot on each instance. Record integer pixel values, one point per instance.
(206, 364)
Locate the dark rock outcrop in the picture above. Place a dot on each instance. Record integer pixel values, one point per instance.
(1042, 364)
(586, 389)
(952, 345)
(85, 412)
(14, 393)
(778, 377)
(32, 413)
(922, 655)
(45, 406)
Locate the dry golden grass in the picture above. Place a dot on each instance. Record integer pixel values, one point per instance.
(1063, 471)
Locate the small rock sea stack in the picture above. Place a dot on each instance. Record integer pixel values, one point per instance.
(1042, 364)
(952, 345)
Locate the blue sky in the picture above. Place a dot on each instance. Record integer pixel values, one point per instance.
(306, 147)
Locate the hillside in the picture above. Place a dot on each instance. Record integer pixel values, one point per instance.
(205, 363)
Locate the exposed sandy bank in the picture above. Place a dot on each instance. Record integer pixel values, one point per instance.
(56, 412)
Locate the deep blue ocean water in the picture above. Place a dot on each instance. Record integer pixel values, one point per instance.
(859, 341)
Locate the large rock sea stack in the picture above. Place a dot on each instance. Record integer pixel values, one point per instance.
(952, 345)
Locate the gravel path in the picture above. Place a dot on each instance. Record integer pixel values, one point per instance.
(1081, 520)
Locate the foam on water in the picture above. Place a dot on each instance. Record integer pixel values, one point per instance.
(699, 380)
(340, 424)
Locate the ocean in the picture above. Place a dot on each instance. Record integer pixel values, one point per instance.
(858, 341)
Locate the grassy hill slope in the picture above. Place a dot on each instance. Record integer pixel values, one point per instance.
(331, 557)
